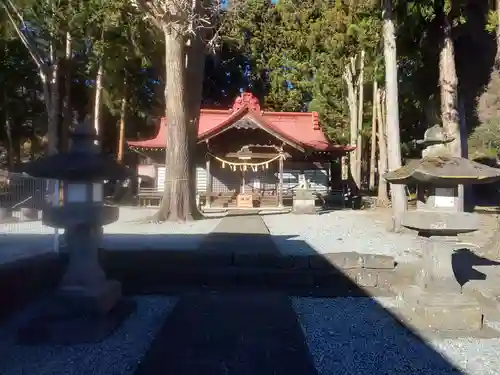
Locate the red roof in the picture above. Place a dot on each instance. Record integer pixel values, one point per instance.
(299, 128)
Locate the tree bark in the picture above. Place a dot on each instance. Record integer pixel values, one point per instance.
(52, 101)
(491, 249)
(359, 142)
(175, 205)
(382, 196)
(123, 113)
(352, 100)
(97, 101)
(497, 57)
(8, 132)
(398, 194)
(373, 146)
(448, 82)
(67, 110)
(48, 68)
(195, 69)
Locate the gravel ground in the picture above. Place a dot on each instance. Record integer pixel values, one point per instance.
(346, 336)
(357, 336)
(21, 240)
(117, 355)
(130, 231)
(340, 231)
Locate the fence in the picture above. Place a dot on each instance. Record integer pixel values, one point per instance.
(22, 200)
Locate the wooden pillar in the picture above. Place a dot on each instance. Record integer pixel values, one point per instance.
(280, 187)
(242, 179)
(208, 198)
(328, 175)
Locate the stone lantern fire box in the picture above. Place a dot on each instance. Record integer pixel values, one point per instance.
(87, 306)
(436, 301)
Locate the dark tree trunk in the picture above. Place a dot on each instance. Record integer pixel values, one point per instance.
(66, 104)
(195, 69)
(175, 205)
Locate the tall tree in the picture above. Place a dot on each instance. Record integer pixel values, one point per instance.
(183, 24)
(448, 83)
(373, 138)
(382, 197)
(398, 193)
(43, 26)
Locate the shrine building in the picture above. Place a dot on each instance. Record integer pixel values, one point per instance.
(248, 157)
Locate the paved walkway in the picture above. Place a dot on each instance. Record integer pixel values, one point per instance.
(225, 333)
(240, 234)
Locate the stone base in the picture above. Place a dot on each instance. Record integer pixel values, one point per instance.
(95, 301)
(244, 201)
(440, 311)
(304, 202)
(57, 325)
(304, 207)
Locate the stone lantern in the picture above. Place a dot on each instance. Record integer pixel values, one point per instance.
(84, 290)
(437, 300)
(304, 199)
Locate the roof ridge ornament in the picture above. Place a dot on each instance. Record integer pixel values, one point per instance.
(247, 99)
(315, 120)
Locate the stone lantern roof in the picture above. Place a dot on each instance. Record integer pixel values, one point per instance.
(435, 135)
(439, 168)
(443, 171)
(82, 163)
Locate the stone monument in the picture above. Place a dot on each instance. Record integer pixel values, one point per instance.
(436, 301)
(87, 306)
(304, 200)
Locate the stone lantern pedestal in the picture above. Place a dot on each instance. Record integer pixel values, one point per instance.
(435, 302)
(304, 200)
(86, 306)
(84, 284)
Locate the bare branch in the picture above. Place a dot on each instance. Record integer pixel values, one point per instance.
(189, 18)
(150, 11)
(30, 46)
(213, 44)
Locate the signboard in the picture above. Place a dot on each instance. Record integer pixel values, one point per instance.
(345, 168)
(286, 176)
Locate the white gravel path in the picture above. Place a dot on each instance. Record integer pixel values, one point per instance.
(348, 336)
(117, 355)
(340, 231)
(131, 231)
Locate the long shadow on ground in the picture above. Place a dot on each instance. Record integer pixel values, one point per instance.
(242, 311)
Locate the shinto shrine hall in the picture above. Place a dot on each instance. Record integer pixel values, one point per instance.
(248, 157)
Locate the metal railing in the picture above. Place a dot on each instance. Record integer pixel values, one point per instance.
(22, 201)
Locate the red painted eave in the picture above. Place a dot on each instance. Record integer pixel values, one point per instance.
(298, 128)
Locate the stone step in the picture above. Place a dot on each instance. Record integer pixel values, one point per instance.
(319, 284)
(165, 272)
(261, 276)
(216, 255)
(148, 269)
